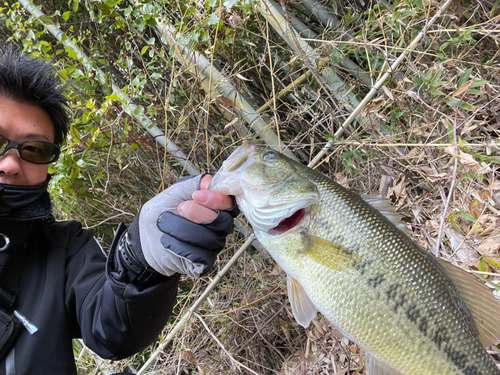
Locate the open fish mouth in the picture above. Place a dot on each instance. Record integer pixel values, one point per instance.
(288, 223)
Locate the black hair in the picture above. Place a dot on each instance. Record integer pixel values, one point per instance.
(34, 81)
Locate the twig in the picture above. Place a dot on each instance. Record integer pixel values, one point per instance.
(297, 83)
(109, 218)
(450, 193)
(222, 346)
(265, 340)
(256, 333)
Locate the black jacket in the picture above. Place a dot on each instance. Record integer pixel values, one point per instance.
(68, 289)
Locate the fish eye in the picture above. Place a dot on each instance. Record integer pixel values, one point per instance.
(269, 156)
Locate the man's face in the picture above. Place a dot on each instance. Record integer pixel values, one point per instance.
(21, 122)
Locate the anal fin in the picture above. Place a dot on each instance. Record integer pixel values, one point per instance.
(302, 307)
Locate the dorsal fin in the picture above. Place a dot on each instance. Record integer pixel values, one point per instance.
(302, 307)
(377, 367)
(482, 304)
(384, 206)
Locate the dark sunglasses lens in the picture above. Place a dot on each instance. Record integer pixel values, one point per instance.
(3, 144)
(38, 152)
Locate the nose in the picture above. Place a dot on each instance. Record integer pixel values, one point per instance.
(10, 163)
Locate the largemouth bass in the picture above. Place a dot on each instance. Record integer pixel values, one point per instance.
(412, 313)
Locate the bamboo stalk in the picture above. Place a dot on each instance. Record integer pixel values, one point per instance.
(380, 82)
(195, 305)
(269, 10)
(351, 67)
(319, 11)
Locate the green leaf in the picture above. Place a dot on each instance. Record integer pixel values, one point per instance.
(464, 77)
(112, 3)
(213, 19)
(113, 97)
(31, 35)
(71, 53)
(481, 266)
(451, 218)
(466, 106)
(492, 261)
(77, 73)
(65, 15)
(436, 92)
(444, 45)
(475, 92)
(479, 82)
(144, 49)
(466, 216)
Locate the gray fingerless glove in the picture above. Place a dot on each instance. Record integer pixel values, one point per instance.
(171, 244)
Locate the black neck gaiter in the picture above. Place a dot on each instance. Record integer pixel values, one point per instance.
(20, 206)
(25, 202)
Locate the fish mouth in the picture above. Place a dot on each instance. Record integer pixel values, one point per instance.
(288, 223)
(227, 179)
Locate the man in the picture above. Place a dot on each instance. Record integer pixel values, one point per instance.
(55, 282)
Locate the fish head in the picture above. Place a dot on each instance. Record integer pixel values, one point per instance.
(271, 190)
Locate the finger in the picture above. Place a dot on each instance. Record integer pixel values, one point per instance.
(205, 180)
(213, 199)
(195, 212)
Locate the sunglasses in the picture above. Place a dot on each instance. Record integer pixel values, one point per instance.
(36, 152)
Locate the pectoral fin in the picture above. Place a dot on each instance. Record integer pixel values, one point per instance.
(482, 304)
(302, 307)
(377, 367)
(329, 254)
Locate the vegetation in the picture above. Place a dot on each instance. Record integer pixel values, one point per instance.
(159, 89)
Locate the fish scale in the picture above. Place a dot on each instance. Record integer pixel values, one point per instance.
(362, 273)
